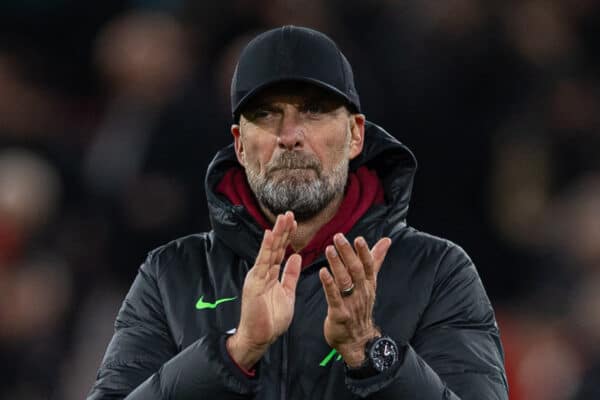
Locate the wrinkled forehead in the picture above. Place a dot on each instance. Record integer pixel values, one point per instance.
(294, 93)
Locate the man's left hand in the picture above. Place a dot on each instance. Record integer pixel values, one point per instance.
(349, 323)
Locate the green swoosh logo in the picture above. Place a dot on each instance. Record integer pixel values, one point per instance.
(202, 305)
(329, 357)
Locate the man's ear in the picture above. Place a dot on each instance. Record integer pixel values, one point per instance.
(357, 134)
(237, 143)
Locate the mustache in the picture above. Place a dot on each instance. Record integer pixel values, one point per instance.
(294, 160)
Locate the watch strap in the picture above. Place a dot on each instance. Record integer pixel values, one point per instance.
(366, 370)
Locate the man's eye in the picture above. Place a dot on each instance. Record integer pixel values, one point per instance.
(313, 108)
(259, 114)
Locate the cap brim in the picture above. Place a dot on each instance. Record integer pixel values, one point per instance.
(248, 96)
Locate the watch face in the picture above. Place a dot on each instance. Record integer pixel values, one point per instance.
(383, 354)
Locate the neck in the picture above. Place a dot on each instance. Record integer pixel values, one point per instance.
(307, 229)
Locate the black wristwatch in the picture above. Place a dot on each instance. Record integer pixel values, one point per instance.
(381, 354)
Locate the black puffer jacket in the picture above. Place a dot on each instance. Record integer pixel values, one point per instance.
(429, 296)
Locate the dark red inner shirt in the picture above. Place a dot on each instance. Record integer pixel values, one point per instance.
(364, 189)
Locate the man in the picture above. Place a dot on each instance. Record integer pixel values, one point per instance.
(365, 306)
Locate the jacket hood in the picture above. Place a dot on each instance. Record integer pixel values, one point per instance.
(394, 163)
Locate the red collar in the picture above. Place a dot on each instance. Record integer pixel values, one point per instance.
(364, 189)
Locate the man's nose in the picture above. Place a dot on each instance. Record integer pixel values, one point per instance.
(291, 130)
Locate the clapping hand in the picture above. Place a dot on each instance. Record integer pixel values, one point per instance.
(350, 294)
(267, 303)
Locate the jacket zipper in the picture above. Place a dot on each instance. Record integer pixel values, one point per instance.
(284, 366)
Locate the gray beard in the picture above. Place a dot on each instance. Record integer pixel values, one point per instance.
(302, 193)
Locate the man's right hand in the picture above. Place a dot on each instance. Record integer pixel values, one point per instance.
(267, 303)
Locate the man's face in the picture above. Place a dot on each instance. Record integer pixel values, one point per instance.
(295, 142)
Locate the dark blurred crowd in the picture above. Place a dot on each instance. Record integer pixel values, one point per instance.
(110, 112)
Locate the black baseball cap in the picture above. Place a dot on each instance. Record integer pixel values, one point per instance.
(291, 53)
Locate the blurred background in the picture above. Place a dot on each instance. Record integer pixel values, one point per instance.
(110, 112)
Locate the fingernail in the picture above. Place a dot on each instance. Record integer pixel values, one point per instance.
(340, 238)
(332, 251)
